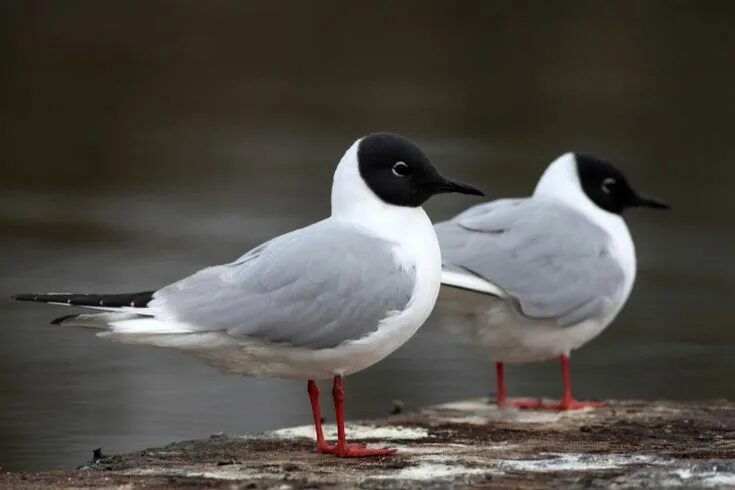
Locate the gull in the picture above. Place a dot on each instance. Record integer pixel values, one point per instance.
(535, 278)
(323, 301)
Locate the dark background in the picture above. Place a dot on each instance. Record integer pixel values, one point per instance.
(141, 141)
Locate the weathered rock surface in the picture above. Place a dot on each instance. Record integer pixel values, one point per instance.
(468, 444)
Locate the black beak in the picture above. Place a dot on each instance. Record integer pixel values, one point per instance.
(649, 202)
(447, 185)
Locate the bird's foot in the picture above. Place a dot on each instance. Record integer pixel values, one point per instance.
(522, 404)
(357, 450)
(537, 404)
(324, 448)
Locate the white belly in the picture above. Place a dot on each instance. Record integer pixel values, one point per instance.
(255, 358)
(492, 325)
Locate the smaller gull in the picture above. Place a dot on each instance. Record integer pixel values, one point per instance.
(535, 278)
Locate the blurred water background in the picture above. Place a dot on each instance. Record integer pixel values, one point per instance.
(142, 141)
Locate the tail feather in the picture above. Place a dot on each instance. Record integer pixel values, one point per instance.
(66, 318)
(127, 300)
(94, 320)
(124, 317)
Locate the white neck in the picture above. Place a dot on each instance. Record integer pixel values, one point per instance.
(561, 182)
(355, 202)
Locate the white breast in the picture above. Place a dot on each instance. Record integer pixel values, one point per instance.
(417, 247)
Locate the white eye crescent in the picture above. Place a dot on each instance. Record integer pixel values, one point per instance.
(607, 185)
(400, 169)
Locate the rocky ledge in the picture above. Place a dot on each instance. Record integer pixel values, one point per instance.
(468, 444)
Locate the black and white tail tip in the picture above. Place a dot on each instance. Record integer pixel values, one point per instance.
(107, 302)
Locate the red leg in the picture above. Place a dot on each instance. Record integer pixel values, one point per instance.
(500, 397)
(499, 384)
(567, 402)
(321, 444)
(342, 449)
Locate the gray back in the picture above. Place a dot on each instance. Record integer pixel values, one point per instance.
(552, 261)
(315, 287)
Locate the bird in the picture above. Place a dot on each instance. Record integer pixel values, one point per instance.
(534, 278)
(323, 301)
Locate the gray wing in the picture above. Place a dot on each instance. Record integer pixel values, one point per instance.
(551, 260)
(315, 287)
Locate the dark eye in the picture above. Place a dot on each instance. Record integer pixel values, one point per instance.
(400, 169)
(608, 184)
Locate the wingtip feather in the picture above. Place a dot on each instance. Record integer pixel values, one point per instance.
(62, 319)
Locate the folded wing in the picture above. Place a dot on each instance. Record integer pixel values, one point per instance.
(316, 287)
(549, 260)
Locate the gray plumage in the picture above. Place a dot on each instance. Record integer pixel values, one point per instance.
(551, 261)
(316, 287)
